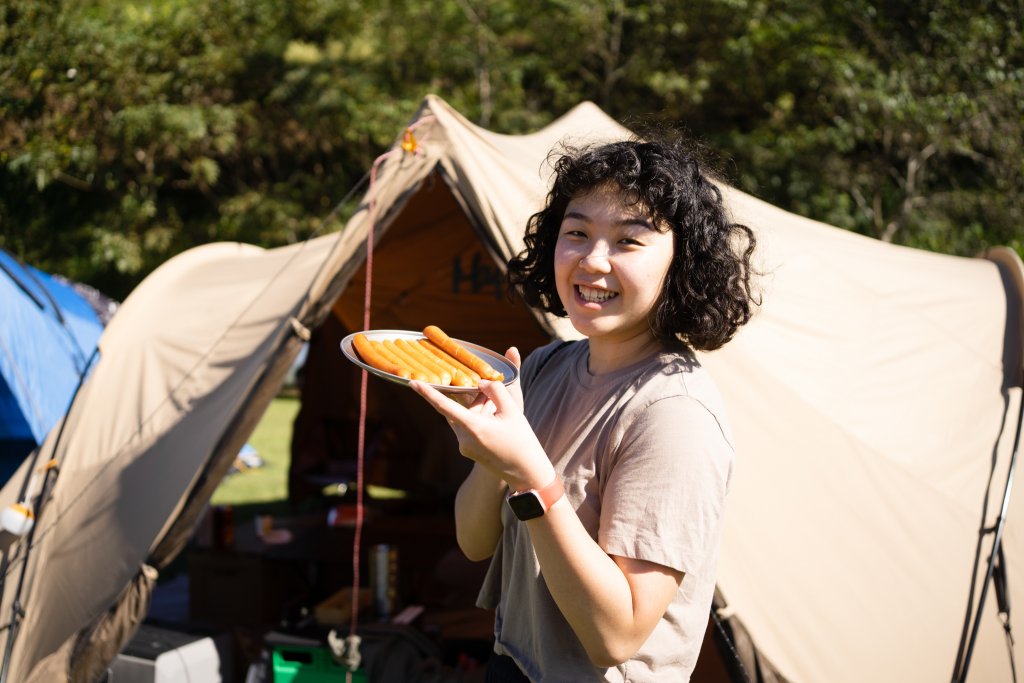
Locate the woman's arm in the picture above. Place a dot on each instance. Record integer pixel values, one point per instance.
(478, 502)
(612, 603)
(478, 513)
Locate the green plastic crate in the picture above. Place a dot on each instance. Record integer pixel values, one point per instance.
(301, 664)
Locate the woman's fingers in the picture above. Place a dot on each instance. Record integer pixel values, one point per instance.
(516, 389)
(441, 403)
(493, 431)
(493, 400)
(499, 395)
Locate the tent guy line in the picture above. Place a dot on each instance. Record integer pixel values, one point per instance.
(996, 560)
(409, 145)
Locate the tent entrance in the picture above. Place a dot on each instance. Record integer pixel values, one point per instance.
(430, 268)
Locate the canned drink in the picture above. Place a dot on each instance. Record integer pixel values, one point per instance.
(384, 579)
(264, 524)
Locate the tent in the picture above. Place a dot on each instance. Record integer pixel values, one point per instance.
(874, 400)
(48, 332)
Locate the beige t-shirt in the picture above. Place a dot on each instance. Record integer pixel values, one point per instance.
(645, 455)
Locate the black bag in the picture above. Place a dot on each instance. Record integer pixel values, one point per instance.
(395, 653)
(389, 653)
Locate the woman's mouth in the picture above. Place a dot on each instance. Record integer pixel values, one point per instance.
(594, 295)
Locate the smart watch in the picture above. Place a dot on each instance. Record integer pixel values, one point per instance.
(535, 502)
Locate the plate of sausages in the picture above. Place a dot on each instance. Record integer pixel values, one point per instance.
(449, 365)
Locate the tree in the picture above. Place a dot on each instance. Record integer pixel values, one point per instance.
(134, 131)
(901, 121)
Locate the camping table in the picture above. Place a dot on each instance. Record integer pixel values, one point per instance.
(254, 583)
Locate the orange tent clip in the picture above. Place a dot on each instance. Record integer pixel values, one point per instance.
(409, 143)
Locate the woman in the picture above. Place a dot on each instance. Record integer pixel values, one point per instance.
(619, 458)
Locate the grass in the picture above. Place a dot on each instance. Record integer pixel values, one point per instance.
(267, 486)
(272, 440)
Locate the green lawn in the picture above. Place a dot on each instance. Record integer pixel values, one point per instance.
(271, 439)
(266, 488)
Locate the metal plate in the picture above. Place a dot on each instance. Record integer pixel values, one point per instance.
(496, 361)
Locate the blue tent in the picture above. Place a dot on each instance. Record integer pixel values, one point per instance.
(48, 332)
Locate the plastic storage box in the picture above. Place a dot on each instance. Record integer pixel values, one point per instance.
(304, 660)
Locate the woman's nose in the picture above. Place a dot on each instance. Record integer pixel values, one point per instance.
(595, 259)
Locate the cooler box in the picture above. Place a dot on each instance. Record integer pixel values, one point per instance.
(304, 660)
(162, 655)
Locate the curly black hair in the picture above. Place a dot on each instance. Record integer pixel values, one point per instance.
(707, 294)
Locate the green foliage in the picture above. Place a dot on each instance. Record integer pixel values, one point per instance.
(130, 131)
(899, 121)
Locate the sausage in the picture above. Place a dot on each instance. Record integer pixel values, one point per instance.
(461, 376)
(411, 362)
(437, 359)
(365, 348)
(461, 372)
(426, 359)
(460, 353)
(399, 361)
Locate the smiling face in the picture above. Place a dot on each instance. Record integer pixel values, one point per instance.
(610, 265)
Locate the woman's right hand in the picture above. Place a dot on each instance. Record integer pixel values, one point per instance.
(480, 402)
(494, 432)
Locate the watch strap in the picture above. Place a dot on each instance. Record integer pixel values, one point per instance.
(546, 496)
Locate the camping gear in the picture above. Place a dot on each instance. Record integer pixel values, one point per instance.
(48, 333)
(394, 653)
(157, 655)
(873, 398)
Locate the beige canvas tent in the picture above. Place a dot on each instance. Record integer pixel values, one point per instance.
(874, 398)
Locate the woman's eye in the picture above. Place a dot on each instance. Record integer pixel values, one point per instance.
(631, 241)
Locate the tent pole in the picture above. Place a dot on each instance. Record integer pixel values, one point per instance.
(960, 674)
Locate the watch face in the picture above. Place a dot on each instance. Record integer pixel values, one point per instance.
(526, 505)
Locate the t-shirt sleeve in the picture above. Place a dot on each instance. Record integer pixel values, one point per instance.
(535, 361)
(664, 496)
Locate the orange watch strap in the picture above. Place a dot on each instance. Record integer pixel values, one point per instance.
(550, 493)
